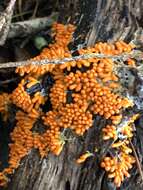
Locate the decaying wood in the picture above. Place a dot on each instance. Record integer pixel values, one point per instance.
(97, 21)
(109, 21)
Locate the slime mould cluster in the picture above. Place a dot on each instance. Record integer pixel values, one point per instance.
(90, 84)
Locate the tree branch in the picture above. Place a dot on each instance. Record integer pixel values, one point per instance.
(24, 28)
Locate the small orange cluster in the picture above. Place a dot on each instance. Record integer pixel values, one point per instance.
(58, 94)
(116, 119)
(118, 167)
(83, 157)
(62, 34)
(107, 103)
(101, 99)
(109, 132)
(76, 117)
(131, 62)
(127, 131)
(122, 146)
(22, 138)
(53, 134)
(4, 103)
(109, 49)
(22, 142)
(127, 128)
(22, 99)
(3, 179)
(112, 131)
(58, 50)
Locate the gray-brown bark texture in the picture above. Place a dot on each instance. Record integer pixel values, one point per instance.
(96, 20)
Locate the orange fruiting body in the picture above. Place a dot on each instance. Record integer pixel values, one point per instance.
(118, 167)
(83, 157)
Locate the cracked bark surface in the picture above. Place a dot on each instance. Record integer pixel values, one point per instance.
(96, 20)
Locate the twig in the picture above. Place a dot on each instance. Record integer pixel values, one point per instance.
(24, 28)
(137, 160)
(20, 8)
(5, 20)
(24, 13)
(8, 81)
(134, 54)
(35, 9)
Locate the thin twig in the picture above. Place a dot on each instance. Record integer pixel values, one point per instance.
(133, 54)
(137, 160)
(8, 81)
(35, 9)
(24, 13)
(20, 8)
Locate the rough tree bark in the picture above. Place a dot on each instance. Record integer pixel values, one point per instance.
(96, 20)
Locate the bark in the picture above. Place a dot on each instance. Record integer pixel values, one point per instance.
(106, 20)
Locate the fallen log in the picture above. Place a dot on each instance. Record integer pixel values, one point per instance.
(95, 21)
